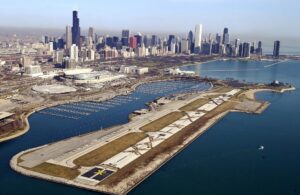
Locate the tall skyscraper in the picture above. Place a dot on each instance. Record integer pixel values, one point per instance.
(276, 49)
(133, 42)
(170, 41)
(68, 37)
(259, 48)
(139, 40)
(92, 33)
(185, 46)
(76, 29)
(226, 39)
(125, 33)
(218, 38)
(246, 50)
(154, 40)
(198, 38)
(191, 41)
(125, 37)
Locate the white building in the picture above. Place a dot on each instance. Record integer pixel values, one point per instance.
(198, 38)
(58, 56)
(74, 53)
(33, 71)
(184, 46)
(134, 70)
(91, 55)
(68, 37)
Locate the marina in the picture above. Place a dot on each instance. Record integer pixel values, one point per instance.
(217, 147)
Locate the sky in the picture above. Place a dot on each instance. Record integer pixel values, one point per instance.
(270, 18)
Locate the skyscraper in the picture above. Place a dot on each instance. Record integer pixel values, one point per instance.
(91, 33)
(246, 50)
(133, 42)
(76, 29)
(125, 33)
(259, 48)
(154, 40)
(218, 38)
(185, 46)
(198, 38)
(74, 53)
(68, 37)
(125, 37)
(225, 37)
(170, 41)
(276, 49)
(191, 41)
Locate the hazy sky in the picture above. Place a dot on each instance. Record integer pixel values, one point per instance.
(267, 17)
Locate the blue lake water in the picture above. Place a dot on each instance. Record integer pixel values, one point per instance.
(226, 159)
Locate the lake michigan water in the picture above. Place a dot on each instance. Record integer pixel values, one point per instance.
(224, 160)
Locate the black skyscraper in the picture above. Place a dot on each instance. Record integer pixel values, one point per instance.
(76, 29)
(191, 41)
(276, 49)
(225, 36)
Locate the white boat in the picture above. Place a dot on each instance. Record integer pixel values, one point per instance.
(261, 148)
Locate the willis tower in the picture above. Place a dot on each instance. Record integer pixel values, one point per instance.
(76, 29)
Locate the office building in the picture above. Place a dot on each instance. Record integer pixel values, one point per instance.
(92, 33)
(68, 37)
(185, 46)
(226, 39)
(74, 53)
(76, 29)
(191, 41)
(276, 49)
(259, 48)
(198, 38)
(133, 42)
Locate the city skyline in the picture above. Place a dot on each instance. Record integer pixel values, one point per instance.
(176, 16)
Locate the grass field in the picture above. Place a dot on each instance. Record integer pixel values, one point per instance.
(194, 105)
(56, 170)
(162, 122)
(107, 151)
(163, 148)
(222, 90)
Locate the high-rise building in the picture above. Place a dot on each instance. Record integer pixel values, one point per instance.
(236, 43)
(226, 39)
(125, 37)
(92, 33)
(191, 41)
(154, 40)
(125, 33)
(133, 42)
(170, 41)
(147, 41)
(259, 48)
(68, 37)
(246, 50)
(276, 49)
(207, 48)
(74, 53)
(185, 46)
(198, 38)
(139, 40)
(218, 38)
(76, 29)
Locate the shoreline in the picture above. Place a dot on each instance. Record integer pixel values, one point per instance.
(251, 94)
(141, 173)
(37, 109)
